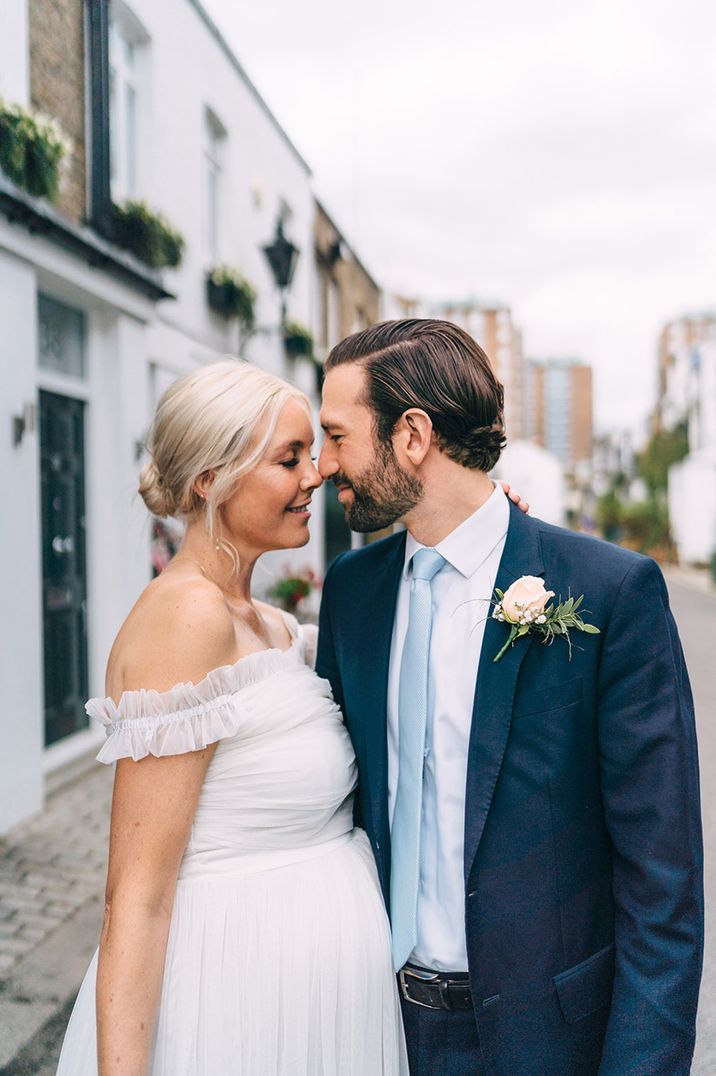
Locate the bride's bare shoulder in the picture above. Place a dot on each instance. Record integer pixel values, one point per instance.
(179, 629)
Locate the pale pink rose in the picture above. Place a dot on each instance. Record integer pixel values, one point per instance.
(526, 595)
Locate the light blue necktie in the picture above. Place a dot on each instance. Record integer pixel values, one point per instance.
(412, 719)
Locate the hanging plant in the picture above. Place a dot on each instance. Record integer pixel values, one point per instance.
(297, 340)
(32, 148)
(148, 235)
(230, 294)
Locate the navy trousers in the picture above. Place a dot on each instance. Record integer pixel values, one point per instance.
(441, 1043)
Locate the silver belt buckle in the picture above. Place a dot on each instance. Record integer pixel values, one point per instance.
(427, 977)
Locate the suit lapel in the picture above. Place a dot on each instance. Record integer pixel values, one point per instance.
(375, 633)
(496, 683)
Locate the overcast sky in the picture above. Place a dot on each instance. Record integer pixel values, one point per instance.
(559, 156)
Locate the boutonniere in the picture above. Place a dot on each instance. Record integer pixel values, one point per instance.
(525, 608)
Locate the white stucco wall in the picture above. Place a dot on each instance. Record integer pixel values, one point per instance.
(184, 71)
(692, 506)
(21, 718)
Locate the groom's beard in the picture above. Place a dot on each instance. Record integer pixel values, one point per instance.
(382, 494)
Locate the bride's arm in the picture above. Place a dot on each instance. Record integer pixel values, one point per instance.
(152, 810)
(153, 806)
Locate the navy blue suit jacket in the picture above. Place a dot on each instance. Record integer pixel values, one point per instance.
(583, 854)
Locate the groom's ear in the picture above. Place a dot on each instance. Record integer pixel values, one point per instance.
(413, 436)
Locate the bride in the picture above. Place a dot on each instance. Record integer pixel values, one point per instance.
(244, 930)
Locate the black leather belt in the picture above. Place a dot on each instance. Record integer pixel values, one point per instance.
(435, 990)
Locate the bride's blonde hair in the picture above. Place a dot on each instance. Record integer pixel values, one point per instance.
(220, 419)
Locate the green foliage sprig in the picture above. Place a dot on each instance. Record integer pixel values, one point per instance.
(556, 620)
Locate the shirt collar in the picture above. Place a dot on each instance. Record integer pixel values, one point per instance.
(470, 544)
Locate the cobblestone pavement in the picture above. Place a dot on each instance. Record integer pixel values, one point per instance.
(50, 867)
(52, 873)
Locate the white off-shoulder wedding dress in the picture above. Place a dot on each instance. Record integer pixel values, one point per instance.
(278, 959)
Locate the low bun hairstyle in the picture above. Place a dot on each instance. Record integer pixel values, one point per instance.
(154, 492)
(217, 418)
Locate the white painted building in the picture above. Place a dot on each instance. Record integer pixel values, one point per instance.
(91, 337)
(680, 345)
(692, 482)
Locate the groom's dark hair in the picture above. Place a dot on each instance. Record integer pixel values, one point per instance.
(437, 367)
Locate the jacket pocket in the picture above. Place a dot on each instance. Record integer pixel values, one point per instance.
(583, 989)
(552, 697)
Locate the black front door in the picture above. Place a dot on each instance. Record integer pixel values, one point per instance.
(64, 573)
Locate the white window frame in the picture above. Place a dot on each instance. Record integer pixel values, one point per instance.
(127, 41)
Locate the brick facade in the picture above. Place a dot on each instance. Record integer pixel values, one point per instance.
(57, 88)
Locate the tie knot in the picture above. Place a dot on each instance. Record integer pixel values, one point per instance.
(427, 563)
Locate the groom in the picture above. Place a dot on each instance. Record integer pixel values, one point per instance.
(535, 820)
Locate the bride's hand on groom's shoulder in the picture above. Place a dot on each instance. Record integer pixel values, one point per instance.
(515, 496)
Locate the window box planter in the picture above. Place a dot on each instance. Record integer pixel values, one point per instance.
(297, 340)
(32, 148)
(231, 295)
(147, 235)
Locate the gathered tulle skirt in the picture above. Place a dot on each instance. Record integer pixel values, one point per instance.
(284, 971)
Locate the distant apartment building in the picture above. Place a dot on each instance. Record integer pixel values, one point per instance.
(613, 462)
(681, 345)
(492, 325)
(558, 409)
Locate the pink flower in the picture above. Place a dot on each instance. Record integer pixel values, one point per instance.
(525, 600)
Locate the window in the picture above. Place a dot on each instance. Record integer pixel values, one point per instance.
(214, 139)
(61, 331)
(122, 112)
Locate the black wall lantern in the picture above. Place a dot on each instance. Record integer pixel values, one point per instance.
(282, 256)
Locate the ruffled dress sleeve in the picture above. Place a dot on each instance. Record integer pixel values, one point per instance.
(186, 718)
